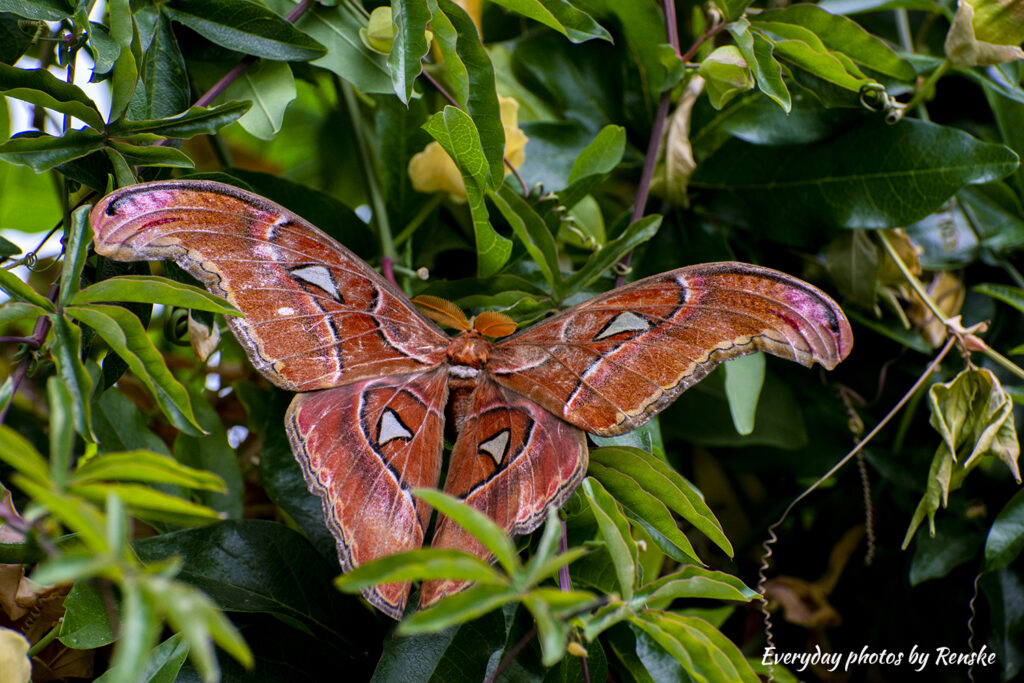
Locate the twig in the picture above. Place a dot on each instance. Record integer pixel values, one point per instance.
(38, 336)
(511, 655)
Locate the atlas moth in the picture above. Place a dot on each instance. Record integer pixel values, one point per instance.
(373, 374)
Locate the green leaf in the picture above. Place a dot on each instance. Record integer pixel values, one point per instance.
(17, 452)
(270, 86)
(732, 9)
(796, 192)
(593, 164)
(152, 155)
(251, 566)
(531, 230)
(152, 289)
(410, 18)
(126, 68)
(759, 55)
(473, 81)
(71, 511)
(47, 10)
(840, 34)
(852, 261)
(646, 485)
(149, 504)
(612, 252)
(86, 624)
(560, 15)
(247, 27)
(126, 337)
(337, 28)
(1006, 536)
(21, 291)
(43, 152)
(188, 124)
(422, 564)
(954, 544)
(105, 50)
(696, 582)
(140, 465)
(803, 49)
(213, 454)
(160, 665)
(139, 629)
(77, 238)
(457, 134)
(164, 88)
(475, 522)
(744, 378)
(18, 310)
(702, 650)
(456, 609)
(43, 89)
(1014, 296)
(67, 350)
(200, 623)
(615, 531)
(62, 431)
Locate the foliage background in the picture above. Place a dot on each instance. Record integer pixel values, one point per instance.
(328, 127)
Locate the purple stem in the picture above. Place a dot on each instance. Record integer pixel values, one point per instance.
(389, 273)
(563, 571)
(38, 335)
(20, 340)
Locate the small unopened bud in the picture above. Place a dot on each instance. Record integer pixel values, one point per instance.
(576, 650)
(725, 74)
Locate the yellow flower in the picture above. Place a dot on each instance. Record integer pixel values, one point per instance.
(986, 32)
(14, 662)
(432, 170)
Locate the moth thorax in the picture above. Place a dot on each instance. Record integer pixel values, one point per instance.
(470, 349)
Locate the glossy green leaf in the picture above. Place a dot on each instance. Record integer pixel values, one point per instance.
(43, 152)
(843, 35)
(144, 466)
(456, 609)
(212, 453)
(612, 252)
(853, 262)
(160, 665)
(21, 291)
(422, 564)
(1006, 537)
(195, 121)
(457, 134)
(105, 50)
(43, 89)
(475, 522)
(164, 89)
(702, 650)
(531, 230)
(47, 10)
(936, 556)
(67, 349)
(803, 49)
(251, 566)
(576, 25)
(86, 622)
(337, 29)
(151, 289)
(615, 531)
(126, 337)
(18, 310)
(152, 155)
(77, 238)
(410, 19)
(797, 193)
(270, 87)
(245, 26)
(744, 378)
(126, 67)
(473, 81)
(696, 582)
(759, 55)
(646, 485)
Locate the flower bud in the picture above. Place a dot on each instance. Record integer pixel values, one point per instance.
(379, 34)
(725, 74)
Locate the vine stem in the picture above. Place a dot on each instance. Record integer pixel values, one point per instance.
(762, 575)
(952, 327)
(658, 125)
